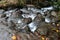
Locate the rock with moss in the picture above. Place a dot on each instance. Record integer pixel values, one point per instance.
(5, 3)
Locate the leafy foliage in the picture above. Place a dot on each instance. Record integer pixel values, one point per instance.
(56, 5)
(21, 2)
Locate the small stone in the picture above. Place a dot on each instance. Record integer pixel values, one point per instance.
(47, 20)
(3, 15)
(32, 26)
(14, 37)
(27, 20)
(54, 13)
(58, 24)
(1, 11)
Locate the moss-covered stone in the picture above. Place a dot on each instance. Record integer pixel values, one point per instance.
(5, 3)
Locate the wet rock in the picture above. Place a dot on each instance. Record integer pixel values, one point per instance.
(27, 20)
(25, 15)
(21, 25)
(33, 26)
(24, 10)
(38, 17)
(32, 16)
(43, 29)
(9, 13)
(48, 20)
(3, 15)
(1, 11)
(12, 25)
(5, 32)
(53, 35)
(17, 14)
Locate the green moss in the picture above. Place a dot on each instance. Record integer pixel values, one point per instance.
(21, 2)
(3, 2)
(56, 5)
